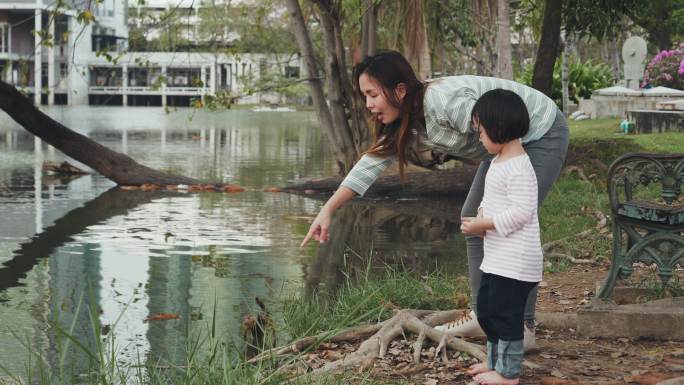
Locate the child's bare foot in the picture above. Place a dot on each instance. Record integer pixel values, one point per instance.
(478, 368)
(494, 378)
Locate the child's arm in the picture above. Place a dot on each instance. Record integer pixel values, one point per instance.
(523, 193)
(475, 225)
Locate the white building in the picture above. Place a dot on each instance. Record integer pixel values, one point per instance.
(89, 63)
(176, 79)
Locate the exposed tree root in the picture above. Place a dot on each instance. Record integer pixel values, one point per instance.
(579, 170)
(571, 258)
(404, 320)
(379, 337)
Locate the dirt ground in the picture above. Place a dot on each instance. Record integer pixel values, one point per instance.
(565, 357)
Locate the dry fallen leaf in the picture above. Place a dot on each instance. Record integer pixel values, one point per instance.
(162, 317)
(558, 381)
(367, 363)
(557, 373)
(650, 378)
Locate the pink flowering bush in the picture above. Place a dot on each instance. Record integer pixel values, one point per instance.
(666, 69)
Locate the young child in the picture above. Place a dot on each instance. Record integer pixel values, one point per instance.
(507, 219)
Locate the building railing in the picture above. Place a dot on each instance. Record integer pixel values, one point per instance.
(104, 90)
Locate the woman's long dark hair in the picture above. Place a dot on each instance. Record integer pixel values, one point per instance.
(389, 69)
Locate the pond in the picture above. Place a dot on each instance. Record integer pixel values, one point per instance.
(67, 246)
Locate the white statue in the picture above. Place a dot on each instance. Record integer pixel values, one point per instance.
(634, 56)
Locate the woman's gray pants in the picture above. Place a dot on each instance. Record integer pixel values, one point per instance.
(547, 156)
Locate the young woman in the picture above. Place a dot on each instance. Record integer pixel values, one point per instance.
(426, 123)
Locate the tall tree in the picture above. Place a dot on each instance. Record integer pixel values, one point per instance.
(347, 137)
(504, 62)
(542, 78)
(369, 28)
(416, 47)
(484, 16)
(315, 82)
(663, 20)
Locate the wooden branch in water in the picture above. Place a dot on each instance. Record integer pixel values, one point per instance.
(452, 182)
(64, 168)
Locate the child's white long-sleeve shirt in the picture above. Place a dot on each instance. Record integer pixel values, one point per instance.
(513, 248)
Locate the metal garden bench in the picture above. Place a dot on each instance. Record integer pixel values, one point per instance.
(647, 215)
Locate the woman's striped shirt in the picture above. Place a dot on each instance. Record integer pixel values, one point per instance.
(447, 105)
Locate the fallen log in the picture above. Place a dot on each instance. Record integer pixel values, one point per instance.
(118, 167)
(445, 183)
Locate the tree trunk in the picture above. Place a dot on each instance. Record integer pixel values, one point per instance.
(542, 79)
(369, 28)
(120, 168)
(325, 118)
(451, 182)
(485, 17)
(416, 47)
(334, 71)
(504, 62)
(565, 72)
(360, 133)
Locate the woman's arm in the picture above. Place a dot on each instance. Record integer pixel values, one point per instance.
(360, 178)
(320, 225)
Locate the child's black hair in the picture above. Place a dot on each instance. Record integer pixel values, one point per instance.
(502, 114)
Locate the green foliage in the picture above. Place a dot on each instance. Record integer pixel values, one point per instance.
(451, 22)
(597, 18)
(583, 79)
(222, 100)
(254, 27)
(85, 17)
(663, 20)
(271, 79)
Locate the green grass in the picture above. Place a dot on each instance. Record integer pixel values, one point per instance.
(370, 295)
(608, 129)
(210, 360)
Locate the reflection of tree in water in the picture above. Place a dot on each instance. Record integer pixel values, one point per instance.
(74, 307)
(74, 274)
(417, 234)
(110, 203)
(168, 291)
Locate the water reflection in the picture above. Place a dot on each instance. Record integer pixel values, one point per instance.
(66, 244)
(361, 231)
(111, 203)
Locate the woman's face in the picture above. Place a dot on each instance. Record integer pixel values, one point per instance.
(376, 102)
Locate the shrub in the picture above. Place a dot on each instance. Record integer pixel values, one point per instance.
(583, 79)
(666, 69)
